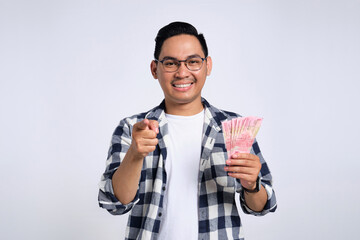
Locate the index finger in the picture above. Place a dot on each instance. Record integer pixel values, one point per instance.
(154, 125)
(244, 156)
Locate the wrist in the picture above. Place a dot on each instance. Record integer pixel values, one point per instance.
(256, 187)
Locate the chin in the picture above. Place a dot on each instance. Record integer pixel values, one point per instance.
(186, 100)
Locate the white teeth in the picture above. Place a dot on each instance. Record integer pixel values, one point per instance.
(182, 85)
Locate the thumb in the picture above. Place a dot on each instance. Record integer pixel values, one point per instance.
(144, 124)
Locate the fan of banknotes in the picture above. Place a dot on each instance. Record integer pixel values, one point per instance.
(239, 134)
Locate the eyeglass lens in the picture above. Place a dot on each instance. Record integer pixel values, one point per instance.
(193, 64)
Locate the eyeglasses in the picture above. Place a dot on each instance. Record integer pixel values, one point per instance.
(172, 64)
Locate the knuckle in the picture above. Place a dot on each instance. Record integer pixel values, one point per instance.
(152, 134)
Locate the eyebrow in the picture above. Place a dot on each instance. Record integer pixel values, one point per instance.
(172, 58)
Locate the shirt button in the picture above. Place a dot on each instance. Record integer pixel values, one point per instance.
(163, 188)
(160, 214)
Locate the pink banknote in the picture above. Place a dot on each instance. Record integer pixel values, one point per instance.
(239, 134)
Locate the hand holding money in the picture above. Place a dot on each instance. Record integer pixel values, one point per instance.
(245, 167)
(239, 135)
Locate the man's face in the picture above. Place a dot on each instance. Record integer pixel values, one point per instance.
(182, 86)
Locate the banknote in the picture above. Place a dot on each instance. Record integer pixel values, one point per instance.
(239, 134)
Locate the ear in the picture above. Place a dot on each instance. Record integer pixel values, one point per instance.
(153, 68)
(208, 65)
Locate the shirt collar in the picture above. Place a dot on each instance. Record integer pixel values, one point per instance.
(212, 113)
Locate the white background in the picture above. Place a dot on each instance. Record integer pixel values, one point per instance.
(70, 70)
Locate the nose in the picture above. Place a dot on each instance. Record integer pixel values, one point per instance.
(183, 71)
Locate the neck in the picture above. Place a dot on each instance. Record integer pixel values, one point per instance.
(183, 109)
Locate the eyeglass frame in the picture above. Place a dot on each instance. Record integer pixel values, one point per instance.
(180, 61)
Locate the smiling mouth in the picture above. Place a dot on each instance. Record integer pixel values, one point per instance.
(182, 85)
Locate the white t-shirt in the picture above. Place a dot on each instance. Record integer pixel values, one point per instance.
(182, 168)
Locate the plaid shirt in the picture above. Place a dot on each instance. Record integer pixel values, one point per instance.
(218, 217)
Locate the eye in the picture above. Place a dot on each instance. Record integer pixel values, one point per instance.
(194, 61)
(170, 63)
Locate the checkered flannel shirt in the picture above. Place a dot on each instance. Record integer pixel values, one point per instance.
(218, 217)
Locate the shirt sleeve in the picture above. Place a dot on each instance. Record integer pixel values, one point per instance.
(120, 143)
(266, 182)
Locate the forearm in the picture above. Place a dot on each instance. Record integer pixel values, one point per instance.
(256, 201)
(126, 178)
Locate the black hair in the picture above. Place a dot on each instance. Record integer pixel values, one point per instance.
(174, 29)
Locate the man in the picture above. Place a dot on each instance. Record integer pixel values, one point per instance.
(169, 166)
